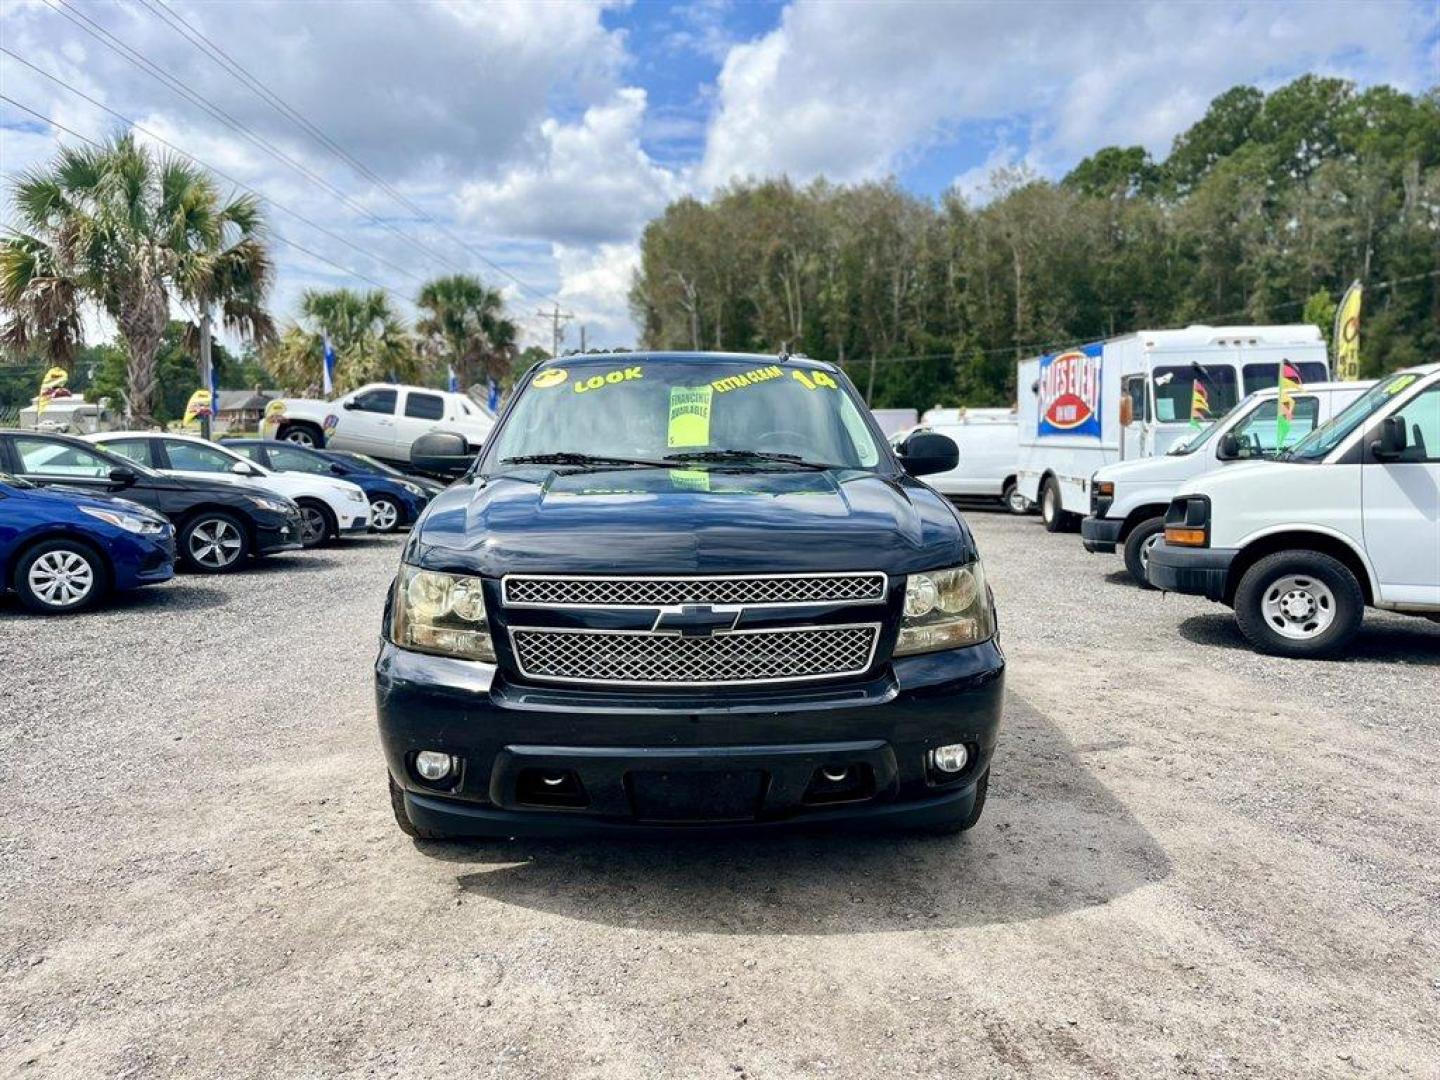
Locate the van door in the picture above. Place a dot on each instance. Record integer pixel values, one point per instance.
(1401, 500)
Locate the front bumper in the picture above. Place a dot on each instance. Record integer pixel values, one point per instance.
(1196, 571)
(358, 524)
(1100, 535)
(277, 532)
(144, 559)
(649, 763)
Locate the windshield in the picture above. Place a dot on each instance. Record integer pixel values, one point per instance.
(367, 462)
(1333, 432)
(652, 411)
(1203, 436)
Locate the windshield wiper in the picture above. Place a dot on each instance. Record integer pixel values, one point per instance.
(565, 457)
(747, 456)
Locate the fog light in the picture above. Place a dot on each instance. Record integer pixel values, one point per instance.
(950, 758)
(433, 765)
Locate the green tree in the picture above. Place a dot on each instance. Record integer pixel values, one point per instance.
(464, 325)
(370, 340)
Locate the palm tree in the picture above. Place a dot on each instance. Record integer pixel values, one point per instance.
(465, 326)
(370, 340)
(119, 227)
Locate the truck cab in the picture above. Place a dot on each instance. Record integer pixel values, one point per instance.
(1349, 517)
(1128, 500)
(382, 420)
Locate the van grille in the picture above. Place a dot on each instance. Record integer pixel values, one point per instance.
(865, 588)
(736, 656)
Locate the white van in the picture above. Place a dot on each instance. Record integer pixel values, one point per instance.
(1071, 416)
(986, 439)
(1348, 517)
(1128, 500)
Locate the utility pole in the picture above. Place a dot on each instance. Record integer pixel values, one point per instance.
(582, 337)
(555, 316)
(206, 380)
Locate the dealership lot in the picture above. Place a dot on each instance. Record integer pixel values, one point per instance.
(1196, 860)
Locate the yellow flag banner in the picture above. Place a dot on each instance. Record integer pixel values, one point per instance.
(1347, 334)
(197, 406)
(52, 386)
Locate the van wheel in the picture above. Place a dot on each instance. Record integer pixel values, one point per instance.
(56, 577)
(1052, 507)
(1013, 500)
(1300, 604)
(1137, 548)
(402, 819)
(960, 823)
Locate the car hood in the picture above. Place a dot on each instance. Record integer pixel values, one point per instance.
(675, 521)
(74, 496)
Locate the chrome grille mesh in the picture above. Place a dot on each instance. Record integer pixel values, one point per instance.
(522, 591)
(660, 659)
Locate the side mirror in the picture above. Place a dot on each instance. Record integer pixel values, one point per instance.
(1392, 441)
(1229, 447)
(925, 453)
(242, 469)
(349, 403)
(1127, 410)
(441, 452)
(122, 477)
(336, 469)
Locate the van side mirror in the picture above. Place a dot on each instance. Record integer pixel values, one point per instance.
(124, 478)
(1229, 447)
(1127, 410)
(441, 452)
(925, 452)
(1392, 441)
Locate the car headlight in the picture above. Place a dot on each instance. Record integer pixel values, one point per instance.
(355, 495)
(413, 489)
(275, 506)
(442, 614)
(945, 609)
(129, 522)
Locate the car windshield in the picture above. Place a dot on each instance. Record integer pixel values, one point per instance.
(720, 413)
(1334, 431)
(1205, 434)
(368, 463)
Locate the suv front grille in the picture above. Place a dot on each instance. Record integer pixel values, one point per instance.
(607, 592)
(735, 656)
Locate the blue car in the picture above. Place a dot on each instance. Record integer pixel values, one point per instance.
(396, 500)
(64, 550)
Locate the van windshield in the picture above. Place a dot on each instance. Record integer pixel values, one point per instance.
(1333, 432)
(1203, 436)
(652, 411)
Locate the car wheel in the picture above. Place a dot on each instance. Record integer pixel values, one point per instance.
(1052, 507)
(1300, 604)
(300, 435)
(402, 819)
(60, 576)
(1137, 548)
(384, 516)
(1013, 500)
(961, 822)
(317, 524)
(213, 542)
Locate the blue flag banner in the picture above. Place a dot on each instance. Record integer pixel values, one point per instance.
(454, 381)
(493, 399)
(329, 368)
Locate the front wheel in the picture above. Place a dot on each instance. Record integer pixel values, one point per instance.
(316, 524)
(1052, 506)
(384, 516)
(59, 576)
(1015, 502)
(301, 435)
(213, 542)
(1138, 545)
(1300, 604)
(402, 819)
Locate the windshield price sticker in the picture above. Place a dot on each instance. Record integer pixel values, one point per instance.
(610, 378)
(814, 380)
(689, 416)
(748, 378)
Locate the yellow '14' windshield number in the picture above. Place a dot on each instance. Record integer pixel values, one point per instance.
(814, 380)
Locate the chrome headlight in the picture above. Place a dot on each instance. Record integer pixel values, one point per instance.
(355, 495)
(129, 522)
(442, 614)
(945, 609)
(275, 506)
(413, 489)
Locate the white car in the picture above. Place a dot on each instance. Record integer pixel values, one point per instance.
(988, 443)
(381, 419)
(329, 507)
(1128, 500)
(1347, 518)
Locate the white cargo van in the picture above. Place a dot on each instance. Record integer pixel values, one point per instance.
(1128, 500)
(1348, 517)
(1070, 402)
(986, 439)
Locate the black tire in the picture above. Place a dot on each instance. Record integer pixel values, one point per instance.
(402, 819)
(1052, 507)
(1012, 499)
(1300, 604)
(60, 577)
(301, 434)
(387, 511)
(1137, 548)
(961, 822)
(317, 523)
(213, 542)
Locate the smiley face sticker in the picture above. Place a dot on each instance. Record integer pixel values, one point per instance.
(549, 377)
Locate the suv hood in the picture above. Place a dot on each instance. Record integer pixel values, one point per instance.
(676, 521)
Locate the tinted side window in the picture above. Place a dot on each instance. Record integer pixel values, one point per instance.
(135, 449)
(254, 453)
(376, 401)
(1267, 376)
(424, 406)
(1422, 427)
(288, 459)
(41, 458)
(191, 457)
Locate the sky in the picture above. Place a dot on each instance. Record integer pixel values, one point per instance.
(530, 142)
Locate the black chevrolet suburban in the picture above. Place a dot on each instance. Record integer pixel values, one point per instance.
(687, 592)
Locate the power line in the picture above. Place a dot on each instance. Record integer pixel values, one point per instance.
(187, 30)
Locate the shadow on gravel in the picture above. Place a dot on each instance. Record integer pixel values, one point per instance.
(1052, 840)
(1122, 577)
(1413, 641)
(303, 561)
(179, 594)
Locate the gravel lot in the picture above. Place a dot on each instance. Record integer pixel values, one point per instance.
(1196, 861)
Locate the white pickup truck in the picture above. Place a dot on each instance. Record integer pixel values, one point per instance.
(1128, 500)
(1348, 517)
(380, 419)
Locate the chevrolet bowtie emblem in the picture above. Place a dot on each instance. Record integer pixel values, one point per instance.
(696, 620)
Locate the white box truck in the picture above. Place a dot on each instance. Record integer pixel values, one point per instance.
(1070, 401)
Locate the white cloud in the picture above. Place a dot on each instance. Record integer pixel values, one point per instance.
(595, 284)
